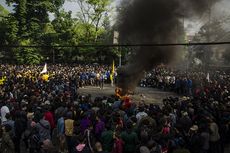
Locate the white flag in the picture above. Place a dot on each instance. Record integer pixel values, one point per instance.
(208, 78)
(44, 69)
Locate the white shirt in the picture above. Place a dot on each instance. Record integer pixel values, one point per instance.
(141, 115)
(4, 111)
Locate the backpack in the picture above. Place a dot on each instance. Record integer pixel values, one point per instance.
(36, 138)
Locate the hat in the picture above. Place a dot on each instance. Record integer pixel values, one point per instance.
(75, 102)
(144, 149)
(194, 128)
(184, 113)
(184, 98)
(24, 101)
(30, 115)
(104, 101)
(47, 102)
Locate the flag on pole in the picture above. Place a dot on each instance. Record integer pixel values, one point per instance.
(2, 80)
(112, 72)
(208, 77)
(45, 77)
(44, 69)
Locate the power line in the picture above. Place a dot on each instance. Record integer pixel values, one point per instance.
(117, 45)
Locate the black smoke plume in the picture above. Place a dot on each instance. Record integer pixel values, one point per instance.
(152, 21)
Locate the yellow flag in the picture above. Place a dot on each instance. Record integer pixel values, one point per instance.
(45, 77)
(2, 80)
(113, 71)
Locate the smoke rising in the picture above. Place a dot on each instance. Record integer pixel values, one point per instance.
(153, 21)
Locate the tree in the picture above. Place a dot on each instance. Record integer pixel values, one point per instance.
(3, 12)
(210, 32)
(3, 15)
(63, 26)
(92, 14)
(30, 18)
(26, 55)
(38, 15)
(20, 14)
(29, 24)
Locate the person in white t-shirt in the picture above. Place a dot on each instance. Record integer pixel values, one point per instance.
(4, 111)
(141, 114)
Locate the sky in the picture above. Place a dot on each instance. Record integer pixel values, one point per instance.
(191, 25)
(2, 2)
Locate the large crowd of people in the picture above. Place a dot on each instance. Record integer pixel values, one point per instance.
(185, 82)
(40, 115)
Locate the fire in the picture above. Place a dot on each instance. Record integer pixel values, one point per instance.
(118, 92)
(124, 98)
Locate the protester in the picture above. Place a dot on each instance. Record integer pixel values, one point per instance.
(44, 129)
(130, 139)
(7, 145)
(4, 111)
(69, 130)
(32, 109)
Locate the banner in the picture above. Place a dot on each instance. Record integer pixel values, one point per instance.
(112, 72)
(44, 69)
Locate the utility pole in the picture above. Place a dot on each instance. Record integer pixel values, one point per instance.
(119, 57)
(116, 42)
(53, 55)
(207, 53)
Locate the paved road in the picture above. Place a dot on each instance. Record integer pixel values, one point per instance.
(151, 95)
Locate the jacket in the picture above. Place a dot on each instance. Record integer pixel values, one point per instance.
(43, 127)
(7, 144)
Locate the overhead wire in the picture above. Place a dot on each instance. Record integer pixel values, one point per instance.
(119, 45)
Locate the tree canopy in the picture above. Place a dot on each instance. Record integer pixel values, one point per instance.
(29, 24)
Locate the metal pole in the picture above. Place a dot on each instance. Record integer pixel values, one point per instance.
(119, 58)
(53, 56)
(208, 53)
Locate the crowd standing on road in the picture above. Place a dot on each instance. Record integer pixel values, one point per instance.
(51, 117)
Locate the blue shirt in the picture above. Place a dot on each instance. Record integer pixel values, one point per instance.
(61, 126)
(190, 83)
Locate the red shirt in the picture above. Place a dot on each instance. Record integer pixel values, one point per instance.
(49, 117)
(118, 146)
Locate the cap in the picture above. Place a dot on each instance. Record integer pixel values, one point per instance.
(194, 128)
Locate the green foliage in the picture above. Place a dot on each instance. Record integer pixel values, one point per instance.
(21, 16)
(27, 55)
(3, 24)
(29, 25)
(10, 29)
(209, 32)
(3, 12)
(93, 13)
